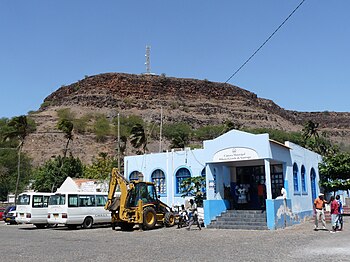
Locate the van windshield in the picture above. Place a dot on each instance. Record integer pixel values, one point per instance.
(57, 199)
(23, 200)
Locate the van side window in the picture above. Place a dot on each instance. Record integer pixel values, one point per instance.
(37, 201)
(100, 200)
(86, 200)
(72, 200)
(46, 201)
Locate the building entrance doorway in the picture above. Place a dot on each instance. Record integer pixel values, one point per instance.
(250, 189)
(246, 192)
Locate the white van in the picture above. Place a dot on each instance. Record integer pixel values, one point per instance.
(78, 209)
(32, 208)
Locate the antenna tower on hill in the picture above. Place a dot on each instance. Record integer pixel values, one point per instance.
(148, 60)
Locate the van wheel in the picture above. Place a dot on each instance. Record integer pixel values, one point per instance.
(149, 218)
(87, 224)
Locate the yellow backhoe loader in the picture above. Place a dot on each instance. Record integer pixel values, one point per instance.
(138, 204)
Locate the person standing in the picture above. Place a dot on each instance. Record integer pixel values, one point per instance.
(340, 215)
(334, 213)
(193, 214)
(319, 205)
(261, 195)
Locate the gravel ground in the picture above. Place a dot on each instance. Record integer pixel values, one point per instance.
(297, 243)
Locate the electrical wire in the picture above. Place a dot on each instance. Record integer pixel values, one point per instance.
(261, 46)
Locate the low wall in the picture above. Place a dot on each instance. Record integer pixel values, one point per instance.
(213, 208)
(280, 214)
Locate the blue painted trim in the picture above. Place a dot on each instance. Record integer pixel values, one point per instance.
(270, 214)
(213, 208)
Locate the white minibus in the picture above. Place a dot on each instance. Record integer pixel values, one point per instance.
(74, 209)
(32, 208)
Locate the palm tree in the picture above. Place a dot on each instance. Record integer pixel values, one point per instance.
(138, 137)
(19, 129)
(310, 130)
(66, 126)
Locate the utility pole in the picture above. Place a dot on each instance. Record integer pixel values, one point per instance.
(161, 127)
(118, 147)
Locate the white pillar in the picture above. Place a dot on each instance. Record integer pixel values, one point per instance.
(268, 179)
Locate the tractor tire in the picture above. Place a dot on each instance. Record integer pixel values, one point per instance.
(149, 218)
(169, 219)
(125, 226)
(87, 224)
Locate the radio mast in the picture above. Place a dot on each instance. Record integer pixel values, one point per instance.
(148, 60)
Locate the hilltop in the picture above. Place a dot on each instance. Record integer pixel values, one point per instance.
(197, 102)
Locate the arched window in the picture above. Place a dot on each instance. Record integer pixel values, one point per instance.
(295, 178)
(135, 175)
(158, 178)
(203, 172)
(181, 174)
(303, 179)
(313, 184)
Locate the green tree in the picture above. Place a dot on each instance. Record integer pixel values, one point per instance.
(138, 138)
(335, 172)
(179, 134)
(229, 125)
(49, 176)
(194, 186)
(100, 168)
(18, 129)
(208, 132)
(9, 171)
(310, 130)
(66, 126)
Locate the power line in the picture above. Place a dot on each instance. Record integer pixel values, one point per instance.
(261, 46)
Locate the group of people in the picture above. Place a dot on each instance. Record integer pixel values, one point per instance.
(336, 207)
(189, 216)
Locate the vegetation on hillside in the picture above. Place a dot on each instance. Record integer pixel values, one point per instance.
(15, 167)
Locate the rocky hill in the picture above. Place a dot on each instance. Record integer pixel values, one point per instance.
(197, 102)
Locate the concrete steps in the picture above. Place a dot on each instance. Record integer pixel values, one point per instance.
(240, 219)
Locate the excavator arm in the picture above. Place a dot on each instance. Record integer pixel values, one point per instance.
(124, 185)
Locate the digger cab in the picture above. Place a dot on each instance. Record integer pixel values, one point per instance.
(142, 191)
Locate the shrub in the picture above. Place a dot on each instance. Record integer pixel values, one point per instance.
(65, 113)
(101, 128)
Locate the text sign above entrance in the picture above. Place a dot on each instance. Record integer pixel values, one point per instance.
(235, 154)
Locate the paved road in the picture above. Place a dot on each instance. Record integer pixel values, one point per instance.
(297, 243)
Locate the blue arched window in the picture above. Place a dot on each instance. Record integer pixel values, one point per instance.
(203, 172)
(313, 184)
(181, 174)
(295, 178)
(303, 180)
(158, 178)
(135, 175)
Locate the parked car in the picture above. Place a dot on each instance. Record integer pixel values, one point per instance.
(9, 215)
(10, 218)
(2, 210)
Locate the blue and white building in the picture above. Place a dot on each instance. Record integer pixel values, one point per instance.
(237, 158)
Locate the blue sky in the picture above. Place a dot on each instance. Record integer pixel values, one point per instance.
(304, 67)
